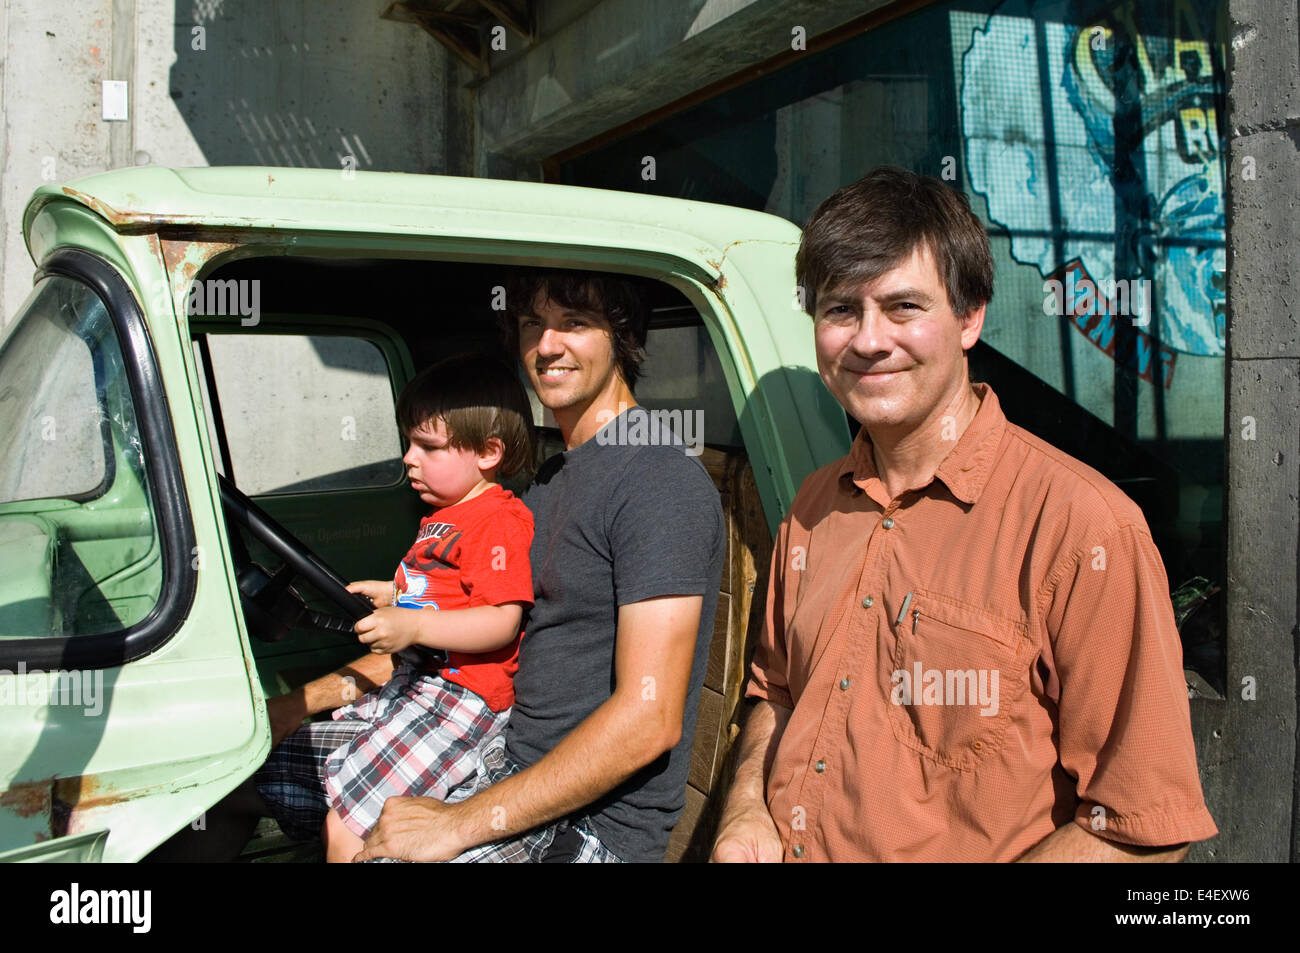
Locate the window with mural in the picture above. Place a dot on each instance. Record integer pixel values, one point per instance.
(1089, 138)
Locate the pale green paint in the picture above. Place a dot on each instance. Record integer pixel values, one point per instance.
(186, 724)
(74, 849)
(181, 727)
(692, 245)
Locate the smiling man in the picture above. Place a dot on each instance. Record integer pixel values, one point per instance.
(969, 651)
(626, 559)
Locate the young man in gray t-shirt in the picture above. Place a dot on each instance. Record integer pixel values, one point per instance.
(626, 560)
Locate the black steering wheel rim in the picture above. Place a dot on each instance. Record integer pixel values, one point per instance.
(291, 551)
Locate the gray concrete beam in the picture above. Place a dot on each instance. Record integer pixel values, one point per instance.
(617, 62)
(1247, 742)
(121, 135)
(1264, 236)
(1264, 56)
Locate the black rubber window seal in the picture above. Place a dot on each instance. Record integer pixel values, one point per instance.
(166, 489)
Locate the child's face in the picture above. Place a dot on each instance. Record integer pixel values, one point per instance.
(440, 473)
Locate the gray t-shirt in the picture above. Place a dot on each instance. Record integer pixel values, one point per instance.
(624, 517)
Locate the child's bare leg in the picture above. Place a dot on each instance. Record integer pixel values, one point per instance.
(341, 845)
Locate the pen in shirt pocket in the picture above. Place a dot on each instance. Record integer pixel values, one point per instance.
(902, 613)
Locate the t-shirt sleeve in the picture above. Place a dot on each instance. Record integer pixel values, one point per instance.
(494, 557)
(1125, 726)
(769, 671)
(665, 528)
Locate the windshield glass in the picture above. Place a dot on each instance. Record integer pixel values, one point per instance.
(79, 547)
(48, 404)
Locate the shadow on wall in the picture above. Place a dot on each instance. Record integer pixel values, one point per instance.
(312, 84)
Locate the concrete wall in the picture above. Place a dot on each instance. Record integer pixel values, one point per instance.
(1247, 742)
(610, 63)
(212, 82)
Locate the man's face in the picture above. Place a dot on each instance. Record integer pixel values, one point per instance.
(569, 355)
(891, 351)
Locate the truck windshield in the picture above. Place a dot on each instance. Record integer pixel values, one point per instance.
(79, 546)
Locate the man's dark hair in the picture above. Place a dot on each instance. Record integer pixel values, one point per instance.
(477, 398)
(865, 229)
(621, 301)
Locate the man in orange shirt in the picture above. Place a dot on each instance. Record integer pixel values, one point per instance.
(969, 651)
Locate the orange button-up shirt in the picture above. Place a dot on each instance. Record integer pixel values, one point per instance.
(975, 663)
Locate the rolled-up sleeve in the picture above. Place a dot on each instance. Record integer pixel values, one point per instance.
(1125, 726)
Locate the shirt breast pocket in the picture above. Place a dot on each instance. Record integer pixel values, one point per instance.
(958, 673)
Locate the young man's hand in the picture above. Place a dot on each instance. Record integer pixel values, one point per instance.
(418, 829)
(389, 629)
(380, 593)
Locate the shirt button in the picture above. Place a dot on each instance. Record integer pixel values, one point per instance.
(797, 850)
(819, 767)
(887, 522)
(844, 684)
(867, 602)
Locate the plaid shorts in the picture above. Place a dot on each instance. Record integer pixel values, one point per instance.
(415, 736)
(569, 840)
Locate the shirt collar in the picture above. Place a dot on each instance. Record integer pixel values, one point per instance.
(966, 468)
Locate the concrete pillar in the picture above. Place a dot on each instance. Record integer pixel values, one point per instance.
(1247, 742)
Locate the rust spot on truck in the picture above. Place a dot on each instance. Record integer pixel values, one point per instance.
(124, 219)
(94, 204)
(27, 798)
(71, 797)
(67, 801)
(134, 220)
(184, 259)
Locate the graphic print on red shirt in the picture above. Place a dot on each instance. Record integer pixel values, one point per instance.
(473, 553)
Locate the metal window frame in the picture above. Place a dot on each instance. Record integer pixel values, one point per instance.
(166, 487)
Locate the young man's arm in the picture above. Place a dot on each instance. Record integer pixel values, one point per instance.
(746, 833)
(640, 721)
(1073, 843)
(286, 712)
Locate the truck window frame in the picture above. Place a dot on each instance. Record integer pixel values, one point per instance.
(166, 487)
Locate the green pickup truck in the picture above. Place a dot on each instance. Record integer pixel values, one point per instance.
(197, 447)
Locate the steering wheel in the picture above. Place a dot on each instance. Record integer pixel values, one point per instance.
(271, 607)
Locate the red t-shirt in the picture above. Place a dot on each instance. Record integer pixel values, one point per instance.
(473, 553)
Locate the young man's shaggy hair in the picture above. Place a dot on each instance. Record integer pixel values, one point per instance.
(619, 300)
